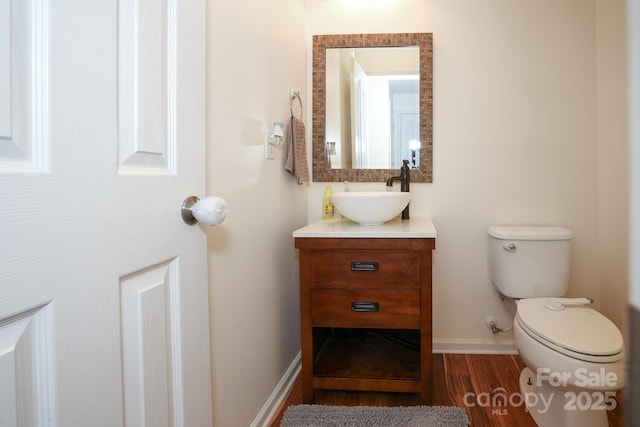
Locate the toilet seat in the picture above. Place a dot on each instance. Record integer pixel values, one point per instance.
(577, 331)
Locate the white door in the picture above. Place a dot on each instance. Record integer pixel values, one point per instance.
(359, 100)
(103, 292)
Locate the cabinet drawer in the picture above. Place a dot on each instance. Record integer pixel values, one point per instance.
(353, 267)
(352, 308)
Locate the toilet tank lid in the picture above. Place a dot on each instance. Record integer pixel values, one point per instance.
(530, 233)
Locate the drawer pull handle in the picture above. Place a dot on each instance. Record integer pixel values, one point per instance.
(365, 306)
(364, 266)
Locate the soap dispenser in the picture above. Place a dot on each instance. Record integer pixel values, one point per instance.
(327, 204)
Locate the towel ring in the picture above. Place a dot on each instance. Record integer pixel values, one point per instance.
(294, 95)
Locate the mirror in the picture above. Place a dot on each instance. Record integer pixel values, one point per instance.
(357, 135)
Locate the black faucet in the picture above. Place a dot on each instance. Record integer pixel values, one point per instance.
(404, 179)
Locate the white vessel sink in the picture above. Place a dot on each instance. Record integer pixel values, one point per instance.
(370, 207)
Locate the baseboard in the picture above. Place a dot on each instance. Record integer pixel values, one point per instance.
(472, 346)
(279, 394)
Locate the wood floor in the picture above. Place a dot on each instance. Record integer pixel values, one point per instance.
(455, 376)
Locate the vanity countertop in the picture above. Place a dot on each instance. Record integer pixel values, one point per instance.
(396, 228)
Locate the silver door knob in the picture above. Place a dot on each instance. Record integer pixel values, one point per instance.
(210, 210)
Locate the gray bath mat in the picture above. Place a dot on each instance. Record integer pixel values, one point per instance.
(374, 416)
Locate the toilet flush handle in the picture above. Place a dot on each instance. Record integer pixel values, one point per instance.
(510, 247)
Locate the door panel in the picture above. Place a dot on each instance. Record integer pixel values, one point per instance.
(26, 372)
(103, 288)
(150, 303)
(24, 95)
(146, 81)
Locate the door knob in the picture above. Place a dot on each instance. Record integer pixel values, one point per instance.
(207, 211)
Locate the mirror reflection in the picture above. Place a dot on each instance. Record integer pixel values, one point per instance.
(372, 106)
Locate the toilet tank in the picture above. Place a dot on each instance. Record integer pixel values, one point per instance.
(529, 262)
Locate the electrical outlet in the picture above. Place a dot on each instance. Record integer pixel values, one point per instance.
(269, 149)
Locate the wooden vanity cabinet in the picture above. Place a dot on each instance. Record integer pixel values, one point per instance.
(365, 306)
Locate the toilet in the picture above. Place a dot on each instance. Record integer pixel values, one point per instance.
(574, 356)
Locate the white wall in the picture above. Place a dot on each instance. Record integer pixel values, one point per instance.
(634, 129)
(516, 141)
(255, 53)
(613, 164)
(633, 39)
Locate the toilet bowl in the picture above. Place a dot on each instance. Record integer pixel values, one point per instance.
(574, 355)
(575, 363)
